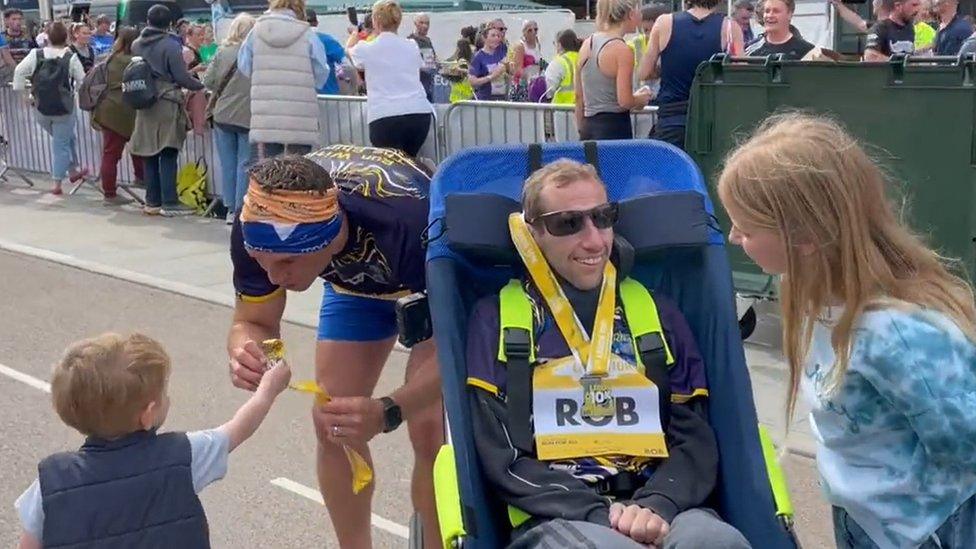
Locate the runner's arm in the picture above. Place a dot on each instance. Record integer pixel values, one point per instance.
(254, 321)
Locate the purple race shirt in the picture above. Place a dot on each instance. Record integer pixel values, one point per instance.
(687, 374)
(481, 65)
(384, 196)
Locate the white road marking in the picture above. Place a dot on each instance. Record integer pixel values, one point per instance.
(314, 495)
(25, 379)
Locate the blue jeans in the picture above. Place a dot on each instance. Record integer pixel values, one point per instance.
(234, 151)
(64, 155)
(160, 172)
(957, 532)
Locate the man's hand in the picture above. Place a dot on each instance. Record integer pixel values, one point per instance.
(639, 524)
(247, 365)
(355, 419)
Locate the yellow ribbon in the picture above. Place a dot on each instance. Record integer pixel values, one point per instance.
(362, 473)
(595, 353)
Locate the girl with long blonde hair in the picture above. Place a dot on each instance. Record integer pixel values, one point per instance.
(877, 333)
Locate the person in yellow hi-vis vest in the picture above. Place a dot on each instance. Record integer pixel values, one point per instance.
(589, 393)
(456, 71)
(649, 15)
(562, 72)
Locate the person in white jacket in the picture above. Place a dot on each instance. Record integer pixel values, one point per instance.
(54, 72)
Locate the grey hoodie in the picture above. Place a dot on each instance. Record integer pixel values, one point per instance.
(164, 54)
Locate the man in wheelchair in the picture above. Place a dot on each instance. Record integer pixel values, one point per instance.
(589, 405)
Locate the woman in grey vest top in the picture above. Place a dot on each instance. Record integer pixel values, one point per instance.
(604, 89)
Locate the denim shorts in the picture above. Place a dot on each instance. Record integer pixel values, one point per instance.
(346, 317)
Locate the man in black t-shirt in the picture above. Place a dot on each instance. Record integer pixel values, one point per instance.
(422, 25)
(780, 37)
(894, 35)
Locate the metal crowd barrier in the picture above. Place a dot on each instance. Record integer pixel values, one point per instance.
(343, 119)
(30, 145)
(473, 123)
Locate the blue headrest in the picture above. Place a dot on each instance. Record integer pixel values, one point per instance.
(477, 224)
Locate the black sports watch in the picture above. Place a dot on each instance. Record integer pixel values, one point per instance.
(392, 416)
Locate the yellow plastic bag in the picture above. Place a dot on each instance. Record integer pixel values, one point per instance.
(362, 473)
(191, 185)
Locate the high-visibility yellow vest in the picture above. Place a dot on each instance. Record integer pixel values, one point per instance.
(566, 93)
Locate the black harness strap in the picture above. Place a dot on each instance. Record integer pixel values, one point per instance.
(655, 360)
(517, 344)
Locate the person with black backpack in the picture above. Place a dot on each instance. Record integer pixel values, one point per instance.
(114, 118)
(152, 84)
(54, 72)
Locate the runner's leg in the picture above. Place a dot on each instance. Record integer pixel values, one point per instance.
(347, 368)
(426, 435)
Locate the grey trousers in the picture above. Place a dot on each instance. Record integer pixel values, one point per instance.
(692, 529)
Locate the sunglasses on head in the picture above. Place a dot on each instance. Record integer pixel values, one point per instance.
(570, 222)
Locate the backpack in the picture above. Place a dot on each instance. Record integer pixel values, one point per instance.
(94, 87)
(51, 84)
(139, 84)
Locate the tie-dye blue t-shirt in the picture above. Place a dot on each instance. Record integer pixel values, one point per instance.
(897, 439)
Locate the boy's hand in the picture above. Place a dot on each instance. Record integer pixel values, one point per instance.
(276, 379)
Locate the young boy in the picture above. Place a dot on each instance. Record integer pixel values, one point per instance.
(129, 486)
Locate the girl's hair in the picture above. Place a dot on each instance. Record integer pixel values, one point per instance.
(470, 33)
(807, 179)
(124, 39)
(463, 50)
(239, 27)
(297, 6)
(387, 15)
(568, 40)
(614, 12)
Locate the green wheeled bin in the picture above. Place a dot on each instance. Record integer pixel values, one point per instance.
(914, 115)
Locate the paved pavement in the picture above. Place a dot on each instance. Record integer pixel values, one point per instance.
(189, 257)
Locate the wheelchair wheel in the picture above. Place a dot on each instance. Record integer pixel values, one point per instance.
(416, 539)
(747, 324)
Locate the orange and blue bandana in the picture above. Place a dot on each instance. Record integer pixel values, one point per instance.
(289, 222)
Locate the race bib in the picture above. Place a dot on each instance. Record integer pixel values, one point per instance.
(577, 416)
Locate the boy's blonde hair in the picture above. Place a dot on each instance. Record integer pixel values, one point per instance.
(102, 384)
(387, 15)
(807, 179)
(559, 173)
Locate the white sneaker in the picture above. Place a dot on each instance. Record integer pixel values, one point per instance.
(230, 218)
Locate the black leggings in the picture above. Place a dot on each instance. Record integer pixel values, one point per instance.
(607, 125)
(160, 178)
(406, 132)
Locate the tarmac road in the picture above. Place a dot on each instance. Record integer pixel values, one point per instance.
(263, 501)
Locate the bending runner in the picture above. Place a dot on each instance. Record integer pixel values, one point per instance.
(353, 216)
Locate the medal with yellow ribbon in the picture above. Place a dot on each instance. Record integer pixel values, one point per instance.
(362, 473)
(593, 353)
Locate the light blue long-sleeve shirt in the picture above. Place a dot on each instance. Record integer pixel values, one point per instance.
(897, 439)
(316, 51)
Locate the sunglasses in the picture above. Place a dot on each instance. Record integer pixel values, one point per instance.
(570, 222)
(500, 29)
